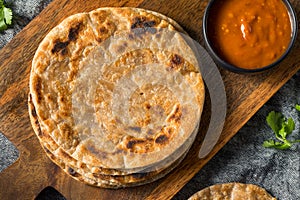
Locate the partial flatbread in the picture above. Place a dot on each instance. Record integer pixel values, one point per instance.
(232, 191)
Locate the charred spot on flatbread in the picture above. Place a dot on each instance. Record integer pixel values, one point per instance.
(106, 30)
(47, 150)
(37, 81)
(74, 31)
(61, 46)
(141, 25)
(94, 150)
(162, 139)
(32, 110)
(176, 62)
(103, 30)
(176, 59)
(142, 22)
(131, 144)
(72, 172)
(34, 118)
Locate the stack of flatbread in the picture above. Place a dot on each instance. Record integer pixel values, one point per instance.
(116, 96)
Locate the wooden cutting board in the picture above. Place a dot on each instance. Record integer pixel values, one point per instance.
(33, 171)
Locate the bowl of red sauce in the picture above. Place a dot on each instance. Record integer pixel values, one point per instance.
(247, 36)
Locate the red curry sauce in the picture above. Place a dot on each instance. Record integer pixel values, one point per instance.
(249, 33)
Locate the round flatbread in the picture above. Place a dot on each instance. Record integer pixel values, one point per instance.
(232, 191)
(116, 90)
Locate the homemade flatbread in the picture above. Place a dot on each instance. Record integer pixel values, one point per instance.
(116, 91)
(232, 191)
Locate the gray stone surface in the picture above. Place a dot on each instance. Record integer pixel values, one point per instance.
(243, 159)
(8, 152)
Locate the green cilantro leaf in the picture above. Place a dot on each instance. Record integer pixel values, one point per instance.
(3, 26)
(5, 16)
(282, 127)
(289, 126)
(297, 106)
(276, 145)
(274, 120)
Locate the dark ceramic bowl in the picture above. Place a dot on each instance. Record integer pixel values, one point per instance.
(221, 62)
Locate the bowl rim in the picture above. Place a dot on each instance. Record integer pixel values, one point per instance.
(234, 68)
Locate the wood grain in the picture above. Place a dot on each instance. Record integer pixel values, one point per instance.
(33, 171)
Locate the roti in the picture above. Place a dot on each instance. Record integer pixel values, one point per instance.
(110, 93)
(232, 191)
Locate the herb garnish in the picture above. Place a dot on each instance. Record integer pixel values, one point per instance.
(5, 16)
(282, 127)
(297, 106)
